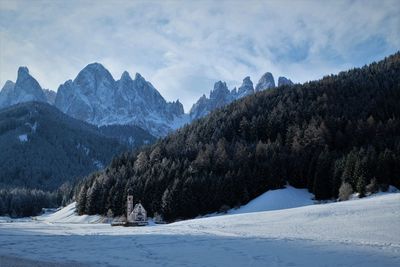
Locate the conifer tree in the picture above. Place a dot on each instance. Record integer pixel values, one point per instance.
(360, 177)
(321, 187)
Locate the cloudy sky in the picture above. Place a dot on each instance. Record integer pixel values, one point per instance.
(183, 47)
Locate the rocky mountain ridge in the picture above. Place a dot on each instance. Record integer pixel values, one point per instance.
(96, 97)
(221, 95)
(25, 89)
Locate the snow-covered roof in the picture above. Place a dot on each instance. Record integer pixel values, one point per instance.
(139, 206)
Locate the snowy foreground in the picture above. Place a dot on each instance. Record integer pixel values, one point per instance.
(362, 232)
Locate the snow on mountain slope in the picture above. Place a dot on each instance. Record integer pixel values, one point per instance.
(95, 97)
(266, 81)
(68, 215)
(285, 198)
(284, 81)
(25, 89)
(221, 95)
(363, 232)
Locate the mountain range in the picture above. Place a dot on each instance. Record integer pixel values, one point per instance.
(96, 97)
(221, 95)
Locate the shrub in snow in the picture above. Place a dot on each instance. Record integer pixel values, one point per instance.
(158, 218)
(384, 187)
(372, 187)
(110, 216)
(345, 191)
(224, 209)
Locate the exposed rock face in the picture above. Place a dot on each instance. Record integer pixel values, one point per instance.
(246, 88)
(50, 96)
(265, 82)
(284, 81)
(219, 96)
(94, 96)
(5, 93)
(25, 89)
(200, 108)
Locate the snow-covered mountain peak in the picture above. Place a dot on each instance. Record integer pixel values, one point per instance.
(218, 98)
(220, 85)
(221, 95)
(9, 85)
(94, 96)
(139, 77)
(50, 96)
(266, 81)
(23, 72)
(284, 81)
(247, 81)
(95, 66)
(125, 76)
(94, 72)
(220, 90)
(143, 84)
(25, 89)
(246, 88)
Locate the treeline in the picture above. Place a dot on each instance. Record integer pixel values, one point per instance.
(23, 202)
(336, 135)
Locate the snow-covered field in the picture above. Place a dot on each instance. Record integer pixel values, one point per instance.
(362, 232)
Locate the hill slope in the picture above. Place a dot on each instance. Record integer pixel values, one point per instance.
(42, 148)
(285, 198)
(131, 136)
(341, 130)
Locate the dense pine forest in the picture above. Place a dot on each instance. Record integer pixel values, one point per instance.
(43, 148)
(334, 136)
(43, 152)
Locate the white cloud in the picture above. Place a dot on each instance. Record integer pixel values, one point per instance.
(183, 47)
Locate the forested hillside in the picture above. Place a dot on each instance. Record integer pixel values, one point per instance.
(341, 132)
(42, 148)
(131, 136)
